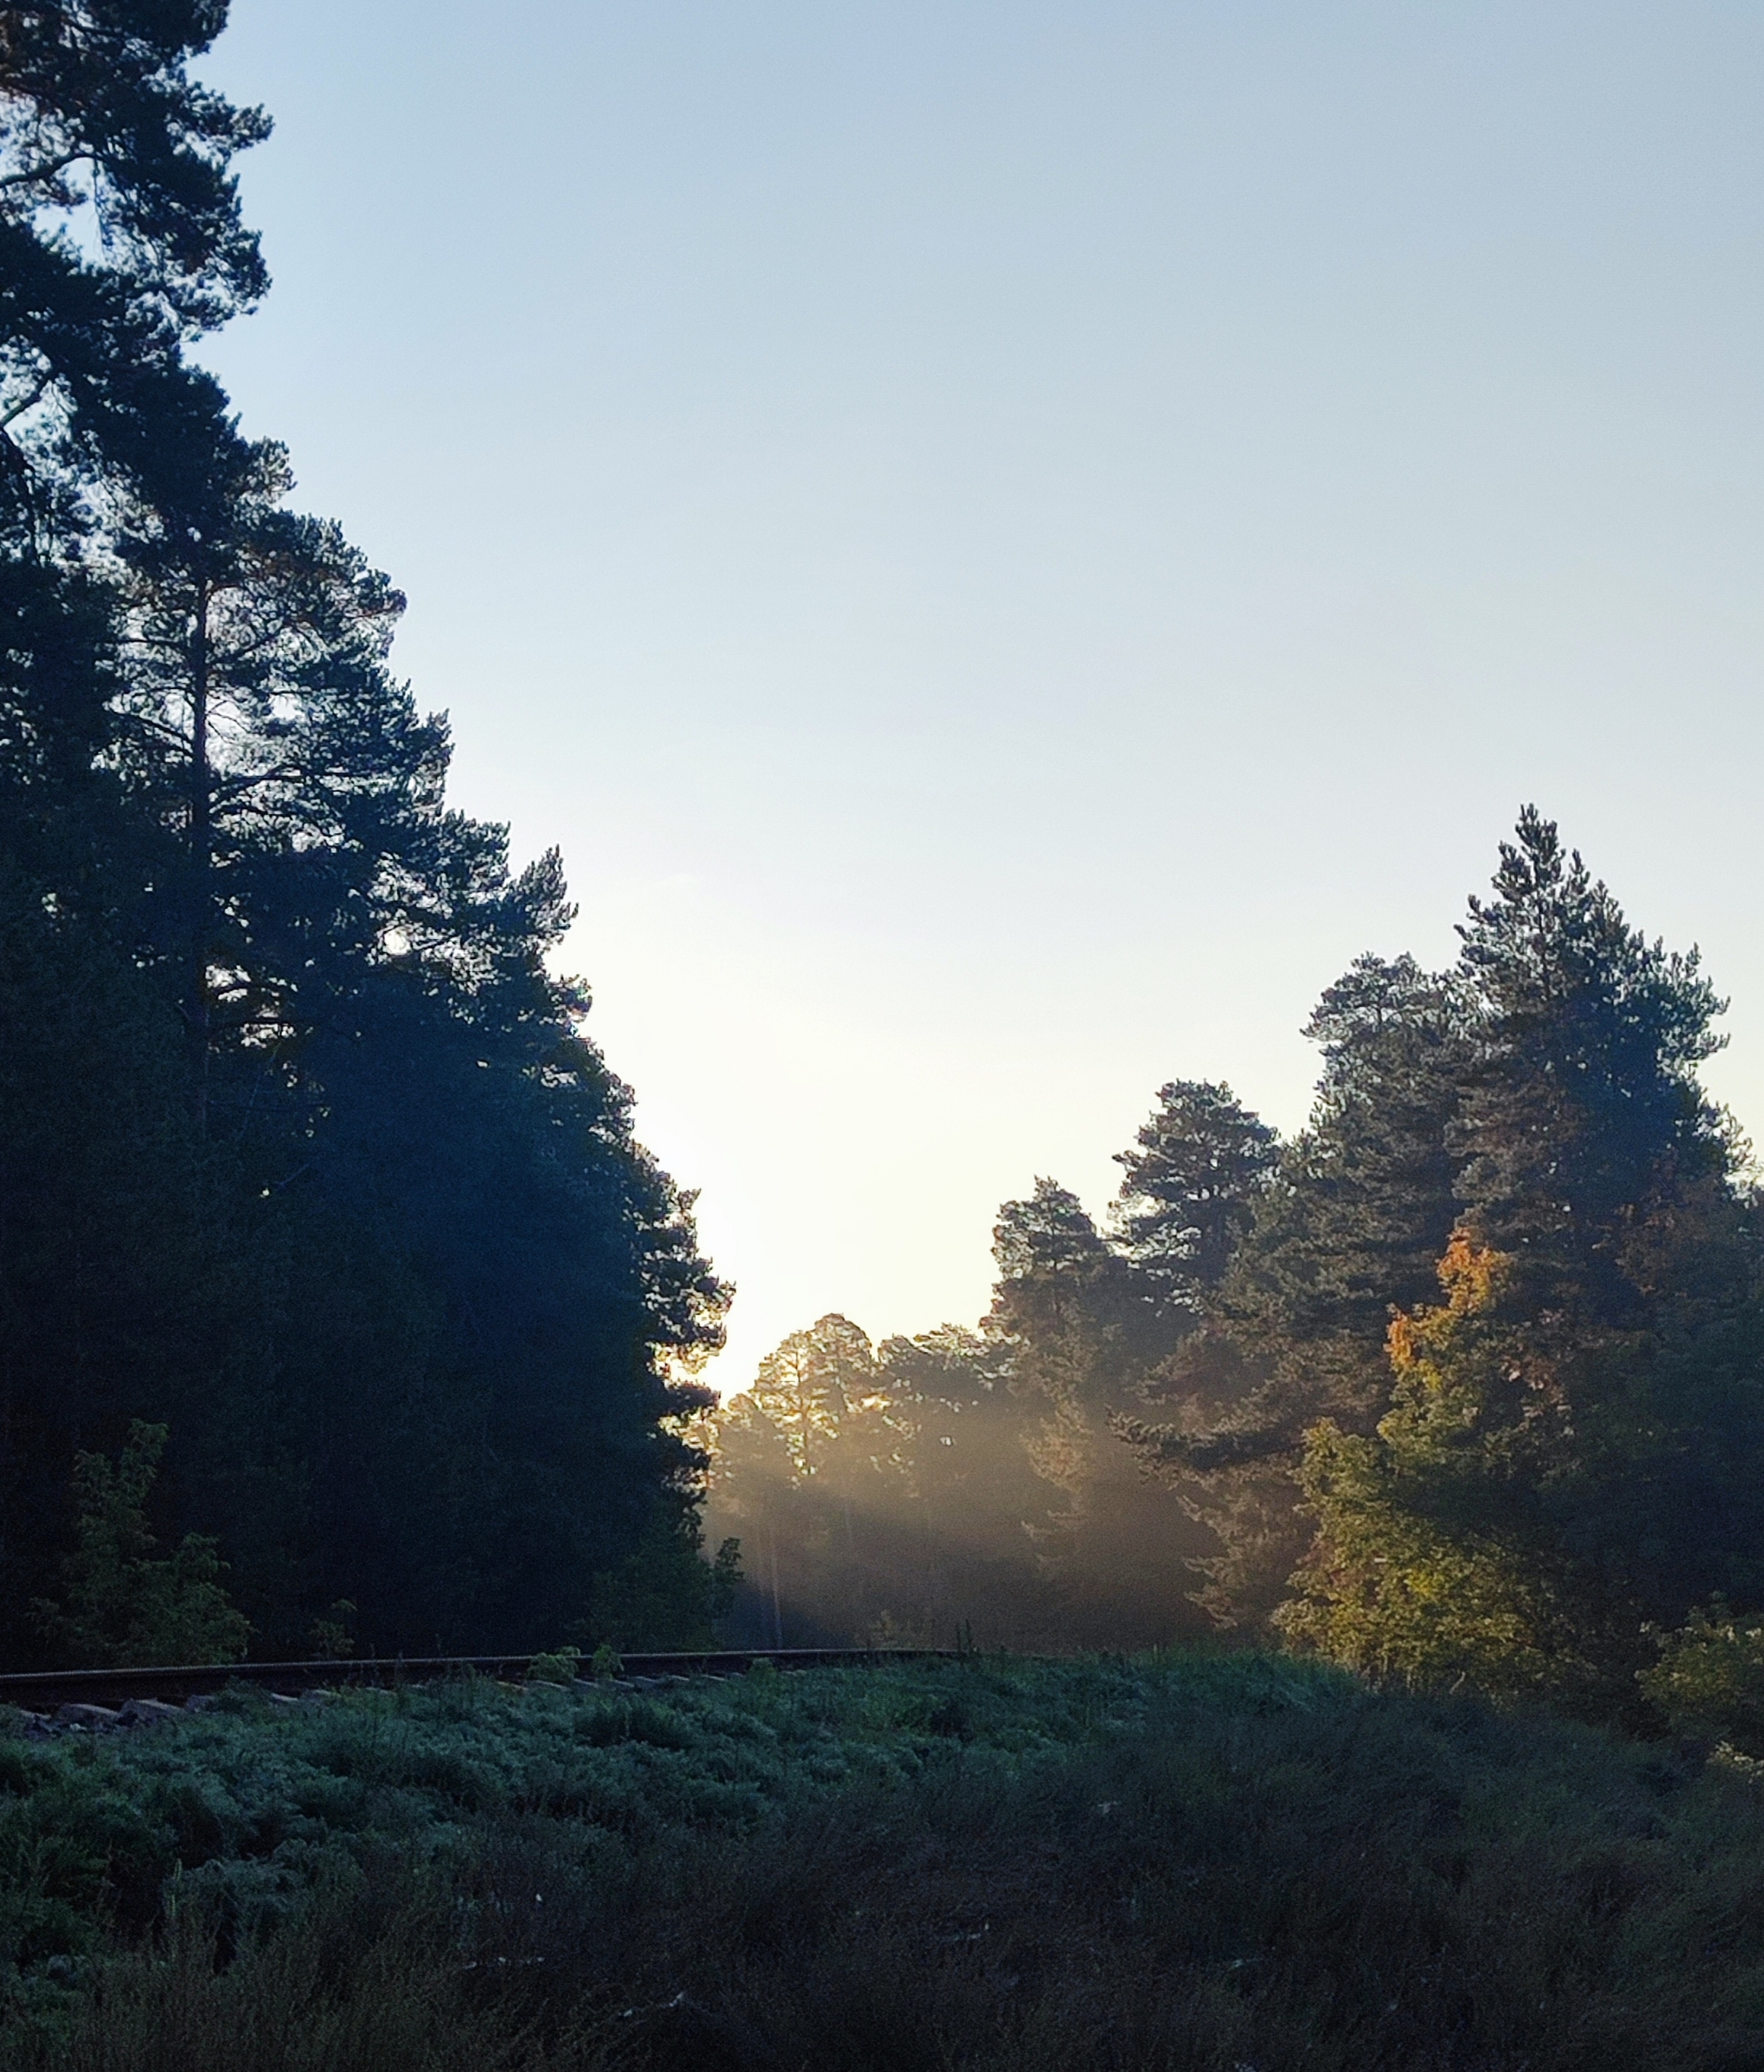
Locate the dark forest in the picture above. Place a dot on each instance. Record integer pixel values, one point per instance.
(309, 1179)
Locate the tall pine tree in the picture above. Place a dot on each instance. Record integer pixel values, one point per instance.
(304, 1151)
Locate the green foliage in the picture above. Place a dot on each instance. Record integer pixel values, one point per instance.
(1191, 1185)
(306, 1151)
(1386, 1591)
(1709, 1680)
(1187, 1860)
(606, 1662)
(560, 1666)
(332, 1639)
(1411, 1575)
(122, 1607)
(665, 1594)
(1519, 1518)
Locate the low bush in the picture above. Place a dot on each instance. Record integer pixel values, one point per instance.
(1710, 1679)
(1213, 1863)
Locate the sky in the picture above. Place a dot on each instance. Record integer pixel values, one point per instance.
(1006, 543)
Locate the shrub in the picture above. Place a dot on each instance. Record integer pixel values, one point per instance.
(123, 1606)
(1709, 1678)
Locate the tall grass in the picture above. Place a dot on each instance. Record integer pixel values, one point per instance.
(1181, 1863)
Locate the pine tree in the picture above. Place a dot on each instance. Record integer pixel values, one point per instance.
(1339, 1226)
(1574, 1439)
(1191, 1188)
(381, 1245)
(1081, 1334)
(1583, 1121)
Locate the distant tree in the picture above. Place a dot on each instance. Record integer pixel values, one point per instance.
(1188, 1196)
(752, 1496)
(1583, 1120)
(1082, 1335)
(912, 1520)
(1062, 1309)
(811, 1468)
(813, 1386)
(981, 1512)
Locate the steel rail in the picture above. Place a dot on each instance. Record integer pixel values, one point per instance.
(34, 1691)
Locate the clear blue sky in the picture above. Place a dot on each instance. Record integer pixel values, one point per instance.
(1008, 542)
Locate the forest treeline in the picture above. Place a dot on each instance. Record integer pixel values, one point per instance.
(338, 1305)
(1464, 1383)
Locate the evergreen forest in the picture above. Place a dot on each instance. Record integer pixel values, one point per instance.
(340, 1307)
(1461, 1386)
(1313, 1620)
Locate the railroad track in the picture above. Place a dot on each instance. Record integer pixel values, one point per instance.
(110, 1688)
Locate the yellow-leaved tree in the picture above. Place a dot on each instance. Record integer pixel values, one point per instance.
(1434, 1561)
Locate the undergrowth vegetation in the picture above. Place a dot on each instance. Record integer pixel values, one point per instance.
(1214, 1863)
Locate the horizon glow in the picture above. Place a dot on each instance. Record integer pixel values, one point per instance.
(1007, 543)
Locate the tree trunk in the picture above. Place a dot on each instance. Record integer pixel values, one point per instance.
(198, 1017)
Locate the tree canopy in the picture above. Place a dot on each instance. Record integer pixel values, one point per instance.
(1464, 1381)
(307, 1162)
(331, 1261)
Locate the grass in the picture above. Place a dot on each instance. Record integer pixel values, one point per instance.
(1217, 1863)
